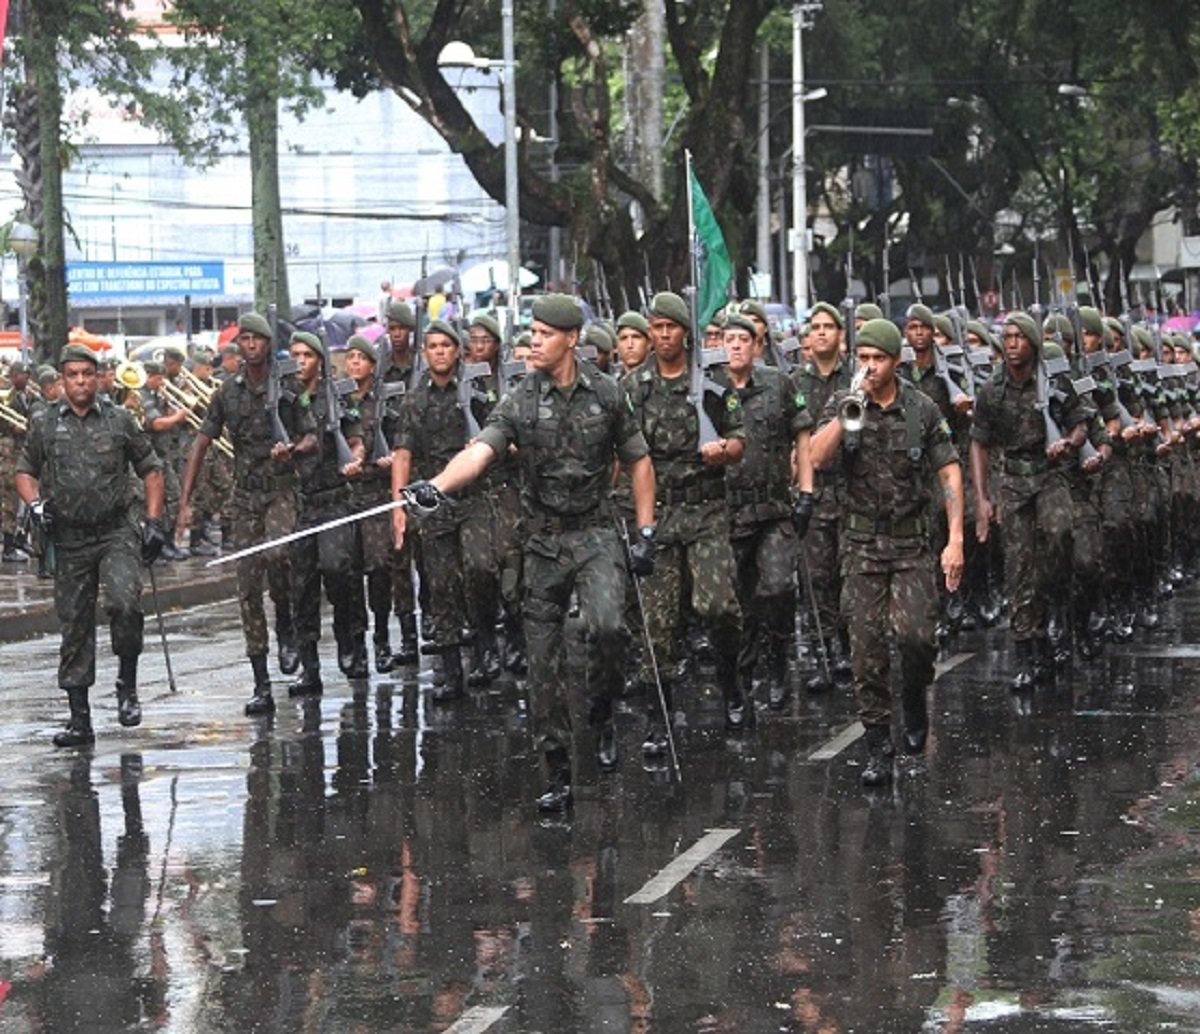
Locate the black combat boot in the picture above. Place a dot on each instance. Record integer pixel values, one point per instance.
(1043, 662)
(408, 652)
(13, 555)
(381, 643)
(1023, 675)
(261, 702)
(1120, 621)
(821, 680)
(285, 641)
(878, 770)
(514, 645)
(738, 710)
(655, 745)
(200, 546)
(78, 732)
(842, 672)
(775, 663)
(485, 661)
(129, 710)
(916, 719)
(309, 683)
(557, 796)
(451, 686)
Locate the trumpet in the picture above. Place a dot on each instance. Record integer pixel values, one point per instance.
(852, 409)
(130, 374)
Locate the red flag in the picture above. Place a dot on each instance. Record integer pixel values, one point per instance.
(3, 24)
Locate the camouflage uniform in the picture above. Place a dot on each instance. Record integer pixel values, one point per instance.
(263, 500)
(11, 441)
(213, 486)
(760, 510)
(1032, 499)
(567, 439)
(1116, 507)
(168, 445)
(819, 550)
(83, 466)
(691, 515)
(887, 566)
(405, 560)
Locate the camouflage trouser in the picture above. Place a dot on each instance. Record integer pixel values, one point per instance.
(695, 537)
(373, 560)
(1037, 543)
(589, 563)
(403, 568)
(8, 490)
(1086, 539)
(326, 557)
(213, 485)
(482, 554)
(765, 559)
(1145, 518)
(819, 551)
(255, 517)
(84, 564)
(900, 595)
(1116, 515)
(442, 572)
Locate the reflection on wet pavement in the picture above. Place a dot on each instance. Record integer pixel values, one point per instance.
(372, 862)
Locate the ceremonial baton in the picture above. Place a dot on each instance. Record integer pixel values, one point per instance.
(162, 629)
(295, 536)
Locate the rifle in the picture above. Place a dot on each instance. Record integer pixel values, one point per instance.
(1048, 369)
(1105, 365)
(385, 391)
(277, 369)
(914, 285)
(851, 331)
(975, 285)
(700, 382)
(942, 368)
(885, 299)
(467, 372)
(962, 286)
(418, 344)
(949, 283)
(335, 391)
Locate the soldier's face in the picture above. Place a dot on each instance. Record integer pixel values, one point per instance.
(398, 335)
(253, 347)
(1092, 342)
(919, 335)
(1118, 342)
(1018, 349)
(713, 336)
(1181, 355)
(548, 346)
(229, 363)
(880, 367)
(308, 363)
(104, 380)
(824, 335)
(632, 346)
(441, 354)
(359, 366)
(482, 346)
(79, 381)
(20, 380)
(668, 337)
(739, 346)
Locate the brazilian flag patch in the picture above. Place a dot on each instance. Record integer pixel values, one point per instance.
(732, 402)
(944, 427)
(801, 401)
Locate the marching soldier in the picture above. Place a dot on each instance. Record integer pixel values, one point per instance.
(887, 566)
(216, 475)
(569, 422)
(690, 505)
(633, 341)
(16, 408)
(263, 501)
(164, 422)
(75, 475)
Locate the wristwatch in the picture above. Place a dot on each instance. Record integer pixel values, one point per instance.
(646, 531)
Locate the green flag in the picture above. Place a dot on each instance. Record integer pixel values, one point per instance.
(714, 270)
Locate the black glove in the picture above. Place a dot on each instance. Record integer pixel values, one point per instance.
(41, 513)
(426, 495)
(802, 511)
(154, 539)
(642, 553)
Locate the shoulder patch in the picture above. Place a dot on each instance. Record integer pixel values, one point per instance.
(944, 427)
(304, 399)
(733, 402)
(801, 401)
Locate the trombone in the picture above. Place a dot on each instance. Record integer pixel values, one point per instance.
(180, 399)
(197, 387)
(10, 416)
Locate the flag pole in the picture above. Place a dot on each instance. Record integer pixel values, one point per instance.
(691, 211)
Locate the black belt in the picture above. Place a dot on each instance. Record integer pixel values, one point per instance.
(554, 523)
(68, 534)
(1025, 467)
(705, 492)
(904, 528)
(757, 494)
(265, 482)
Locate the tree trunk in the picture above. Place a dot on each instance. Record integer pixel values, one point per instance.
(262, 125)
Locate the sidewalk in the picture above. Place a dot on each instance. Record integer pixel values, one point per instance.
(27, 602)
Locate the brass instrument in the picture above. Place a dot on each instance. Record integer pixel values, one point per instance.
(197, 387)
(180, 399)
(9, 415)
(130, 375)
(852, 409)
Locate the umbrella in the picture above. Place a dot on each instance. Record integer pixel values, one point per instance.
(492, 276)
(372, 331)
(434, 282)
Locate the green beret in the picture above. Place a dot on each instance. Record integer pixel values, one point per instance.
(442, 327)
(77, 354)
(600, 337)
(1178, 340)
(868, 311)
(635, 321)
(231, 350)
(881, 334)
(358, 343)
(944, 325)
(19, 367)
(153, 366)
(1090, 319)
(667, 305)
(523, 340)
(755, 309)
(1108, 338)
(1052, 350)
(1115, 325)
(402, 313)
(255, 324)
(176, 352)
(980, 331)
(1056, 322)
(303, 337)
(736, 321)
(832, 311)
(1027, 325)
(487, 323)
(920, 314)
(560, 311)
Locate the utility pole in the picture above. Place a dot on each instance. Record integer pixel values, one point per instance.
(762, 242)
(512, 194)
(801, 20)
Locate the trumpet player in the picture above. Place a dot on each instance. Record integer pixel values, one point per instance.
(890, 440)
(215, 482)
(165, 423)
(15, 405)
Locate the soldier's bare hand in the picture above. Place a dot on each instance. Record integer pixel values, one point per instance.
(352, 469)
(399, 527)
(280, 453)
(985, 515)
(1055, 451)
(712, 453)
(952, 565)
(1093, 463)
(384, 462)
(184, 521)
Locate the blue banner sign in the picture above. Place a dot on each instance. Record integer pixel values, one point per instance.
(144, 279)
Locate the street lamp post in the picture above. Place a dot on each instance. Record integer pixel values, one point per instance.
(460, 55)
(800, 21)
(23, 240)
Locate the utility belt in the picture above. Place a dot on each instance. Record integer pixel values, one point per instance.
(67, 534)
(756, 495)
(1025, 467)
(704, 492)
(826, 478)
(556, 523)
(265, 482)
(324, 498)
(886, 527)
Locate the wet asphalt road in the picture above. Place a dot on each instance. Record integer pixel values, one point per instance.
(373, 862)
